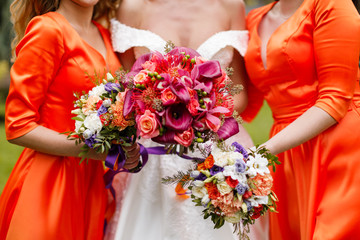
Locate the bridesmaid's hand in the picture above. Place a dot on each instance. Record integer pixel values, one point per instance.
(132, 156)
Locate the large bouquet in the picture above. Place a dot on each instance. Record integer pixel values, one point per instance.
(180, 98)
(231, 184)
(99, 120)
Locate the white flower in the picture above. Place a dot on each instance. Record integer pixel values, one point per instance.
(234, 218)
(98, 90)
(223, 188)
(198, 183)
(109, 77)
(106, 103)
(199, 192)
(205, 200)
(220, 176)
(255, 201)
(195, 174)
(87, 134)
(93, 123)
(78, 125)
(230, 171)
(223, 158)
(257, 165)
(220, 157)
(76, 111)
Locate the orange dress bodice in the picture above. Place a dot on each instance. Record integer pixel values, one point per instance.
(312, 60)
(47, 196)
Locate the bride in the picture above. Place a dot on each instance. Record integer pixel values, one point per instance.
(147, 209)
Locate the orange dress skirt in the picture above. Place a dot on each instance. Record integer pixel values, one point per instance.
(312, 60)
(51, 197)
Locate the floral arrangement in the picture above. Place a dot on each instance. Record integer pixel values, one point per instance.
(99, 120)
(231, 184)
(180, 98)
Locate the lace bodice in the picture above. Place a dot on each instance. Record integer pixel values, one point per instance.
(218, 47)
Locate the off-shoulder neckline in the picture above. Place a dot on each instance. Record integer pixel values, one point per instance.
(158, 36)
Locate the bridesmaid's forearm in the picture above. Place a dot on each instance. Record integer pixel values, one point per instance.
(308, 125)
(48, 141)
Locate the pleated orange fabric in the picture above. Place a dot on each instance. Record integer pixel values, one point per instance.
(312, 60)
(50, 197)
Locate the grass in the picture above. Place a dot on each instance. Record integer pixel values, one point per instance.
(9, 153)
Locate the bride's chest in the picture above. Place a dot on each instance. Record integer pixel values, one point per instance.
(186, 28)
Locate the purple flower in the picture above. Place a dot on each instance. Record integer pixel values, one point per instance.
(201, 177)
(240, 165)
(248, 204)
(180, 90)
(239, 148)
(203, 75)
(241, 189)
(128, 103)
(177, 118)
(91, 141)
(215, 169)
(165, 138)
(102, 109)
(229, 128)
(112, 87)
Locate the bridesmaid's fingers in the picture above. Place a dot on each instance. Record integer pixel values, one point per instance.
(130, 148)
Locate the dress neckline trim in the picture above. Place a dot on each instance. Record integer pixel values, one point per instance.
(115, 21)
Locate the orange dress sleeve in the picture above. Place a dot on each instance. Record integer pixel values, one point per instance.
(39, 55)
(337, 71)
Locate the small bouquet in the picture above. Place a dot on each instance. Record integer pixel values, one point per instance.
(231, 184)
(99, 120)
(180, 98)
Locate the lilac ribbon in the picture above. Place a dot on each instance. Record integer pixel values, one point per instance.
(117, 153)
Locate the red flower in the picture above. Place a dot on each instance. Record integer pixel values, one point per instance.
(257, 212)
(231, 182)
(98, 104)
(247, 194)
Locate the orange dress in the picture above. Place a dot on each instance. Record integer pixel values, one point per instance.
(51, 197)
(312, 60)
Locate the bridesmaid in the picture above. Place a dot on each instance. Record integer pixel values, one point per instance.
(49, 195)
(302, 59)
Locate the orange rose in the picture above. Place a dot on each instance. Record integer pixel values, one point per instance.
(262, 184)
(212, 190)
(201, 166)
(209, 161)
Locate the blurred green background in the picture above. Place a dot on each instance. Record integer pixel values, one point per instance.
(9, 153)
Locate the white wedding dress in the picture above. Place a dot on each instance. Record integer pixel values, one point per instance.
(146, 208)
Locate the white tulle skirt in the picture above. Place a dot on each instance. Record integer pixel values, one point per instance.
(148, 209)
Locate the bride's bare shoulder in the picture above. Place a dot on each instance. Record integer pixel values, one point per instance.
(236, 11)
(128, 12)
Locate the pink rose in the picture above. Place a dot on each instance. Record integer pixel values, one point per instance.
(199, 60)
(193, 107)
(148, 125)
(90, 104)
(140, 78)
(149, 66)
(185, 138)
(168, 97)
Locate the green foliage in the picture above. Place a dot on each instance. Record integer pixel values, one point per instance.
(9, 153)
(5, 29)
